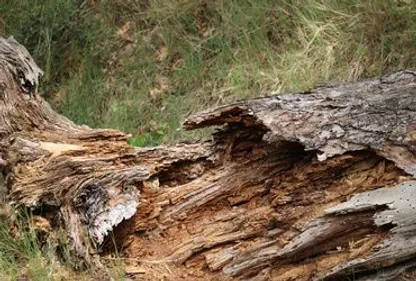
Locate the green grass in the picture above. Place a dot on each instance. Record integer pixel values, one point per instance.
(28, 254)
(23, 258)
(143, 66)
(21, 255)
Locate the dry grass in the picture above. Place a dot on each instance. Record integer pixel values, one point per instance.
(142, 66)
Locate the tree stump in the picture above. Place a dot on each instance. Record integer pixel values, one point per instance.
(304, 186)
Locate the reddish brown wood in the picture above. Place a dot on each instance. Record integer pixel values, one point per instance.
(304, 186)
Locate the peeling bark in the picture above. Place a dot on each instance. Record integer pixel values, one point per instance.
(304, 186)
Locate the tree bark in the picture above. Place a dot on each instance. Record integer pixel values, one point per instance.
(305, 186)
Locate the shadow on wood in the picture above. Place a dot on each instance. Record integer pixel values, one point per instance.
(305, 186)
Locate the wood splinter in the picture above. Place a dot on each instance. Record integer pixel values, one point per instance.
(306, 186)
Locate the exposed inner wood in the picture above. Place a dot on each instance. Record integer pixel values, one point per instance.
(307, 186)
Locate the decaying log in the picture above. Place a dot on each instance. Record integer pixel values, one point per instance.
(305, 186)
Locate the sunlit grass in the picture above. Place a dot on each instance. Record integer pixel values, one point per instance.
(21, 255)
(24, 257)
(143, 66)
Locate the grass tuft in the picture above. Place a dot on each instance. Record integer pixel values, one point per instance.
(143, 66)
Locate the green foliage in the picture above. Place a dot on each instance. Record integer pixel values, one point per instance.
(147, 139)
(59, 34)
(21, 255)
(24, 257)
(143, 66)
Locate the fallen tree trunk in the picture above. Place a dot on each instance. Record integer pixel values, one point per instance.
(307, 186)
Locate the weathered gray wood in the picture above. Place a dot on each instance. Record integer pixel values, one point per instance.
(17, 60)
(377, 114)
(316, 185)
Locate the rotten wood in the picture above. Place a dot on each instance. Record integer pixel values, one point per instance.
(305, 186)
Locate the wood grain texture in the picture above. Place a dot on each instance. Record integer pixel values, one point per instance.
(304, 186)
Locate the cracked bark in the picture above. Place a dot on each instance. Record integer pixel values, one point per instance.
(304, 186)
